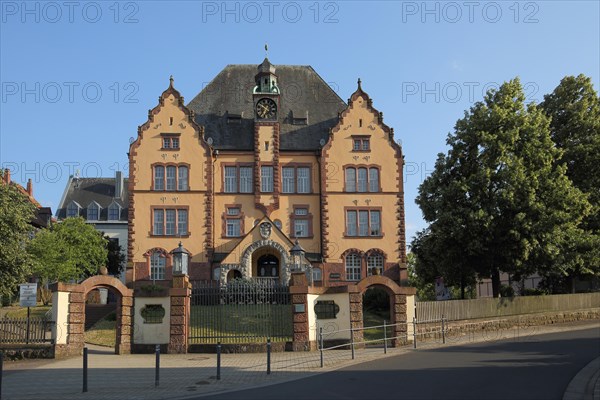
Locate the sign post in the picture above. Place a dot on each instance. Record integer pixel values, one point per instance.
(28, 298)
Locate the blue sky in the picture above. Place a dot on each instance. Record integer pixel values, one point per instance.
(79, 77)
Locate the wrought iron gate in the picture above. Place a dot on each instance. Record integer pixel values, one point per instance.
(241, 311)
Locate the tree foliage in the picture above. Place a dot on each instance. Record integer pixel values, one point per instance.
(116, 257)
(16, 213)
(69, 250)
(574, 109)
(498, 201)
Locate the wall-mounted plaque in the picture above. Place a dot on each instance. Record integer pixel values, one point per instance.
(153, 314)
(326, 309)
(335, 276)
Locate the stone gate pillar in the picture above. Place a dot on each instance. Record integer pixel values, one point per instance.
(299, 294)
(124, 324)
(68, 311)
(180, 314)
(356, 313)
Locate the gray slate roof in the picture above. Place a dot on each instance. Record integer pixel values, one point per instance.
(100, 190)
(304, 94)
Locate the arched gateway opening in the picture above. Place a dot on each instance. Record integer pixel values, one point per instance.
(69, 303)
(381, 290)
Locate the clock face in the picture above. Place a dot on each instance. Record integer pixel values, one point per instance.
(266, 109)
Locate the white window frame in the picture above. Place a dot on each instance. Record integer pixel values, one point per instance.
(158, 266)
(266, 179)
(353, 267)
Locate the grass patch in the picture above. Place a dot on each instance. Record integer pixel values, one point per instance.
(21, 312)
(375, 318)
(103, 332)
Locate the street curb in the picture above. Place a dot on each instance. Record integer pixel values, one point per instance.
(582, 385)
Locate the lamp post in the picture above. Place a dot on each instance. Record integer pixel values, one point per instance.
(181, 259)
(297, 253)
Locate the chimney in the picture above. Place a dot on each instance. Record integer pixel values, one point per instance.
(118, 184)
(6, 176)
(30, 187)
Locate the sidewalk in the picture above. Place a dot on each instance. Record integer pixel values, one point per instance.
(181, 376)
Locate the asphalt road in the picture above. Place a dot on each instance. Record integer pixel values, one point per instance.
(535, 367)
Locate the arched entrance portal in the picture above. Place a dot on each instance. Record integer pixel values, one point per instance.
(268, 266)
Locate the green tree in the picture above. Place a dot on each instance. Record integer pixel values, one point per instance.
(16, 213)
(69, 250)
(574, 109)
(498, 201)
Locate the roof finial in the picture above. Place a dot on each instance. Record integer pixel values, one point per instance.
(359, 82)
(171, 81)
(266, 50)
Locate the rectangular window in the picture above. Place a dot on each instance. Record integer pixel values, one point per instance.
(233, 211)
(182, 222)
(289, 184)
(303, 179)
(373, 180)
(351, 223)
(159, 217)
(113, 213)
(362, 180)
(170, 225)
(170, 142)
(230, 179)
(159, 177)
(246, 180)
(301, 211)
(266, 179)
(375, 223)
(92, 213)
(157, 266)
(361, 144)
(171, 177)
(233, 228)
(175, 143)
(301, 228)
(170, 222)
(166, 143)
(363, 223)
(182, 181)
(350, 180)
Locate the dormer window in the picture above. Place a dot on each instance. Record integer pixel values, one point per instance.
(114, 212)
(93, 212)
(73, 209)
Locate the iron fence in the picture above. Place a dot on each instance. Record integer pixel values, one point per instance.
(241, 311)
(24, 330)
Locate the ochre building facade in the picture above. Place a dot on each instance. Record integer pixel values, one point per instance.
(262, 157)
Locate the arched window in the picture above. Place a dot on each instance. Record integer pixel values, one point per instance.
(373, 180)
(277, 224)
(353, 267)
(375, 264)
(158, 264)
(362, 180)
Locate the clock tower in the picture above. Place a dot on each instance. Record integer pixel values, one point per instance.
(266, 96)
(266, 93)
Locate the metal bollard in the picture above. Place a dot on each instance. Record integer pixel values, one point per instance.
(218, 361)
(85, 369)
(443, 331)
(352, 341)
(384, 338)
(414, 332)
(268, 356)
(157, 373)
(321, 344)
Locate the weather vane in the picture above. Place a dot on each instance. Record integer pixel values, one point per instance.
(266, 50)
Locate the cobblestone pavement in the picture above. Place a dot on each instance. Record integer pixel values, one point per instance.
(187, 375)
